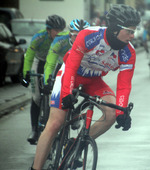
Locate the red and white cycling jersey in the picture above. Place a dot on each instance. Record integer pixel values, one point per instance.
(91, 56)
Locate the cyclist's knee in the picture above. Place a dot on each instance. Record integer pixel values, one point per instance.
(110, 113)
(110, 116)
(54, 126)
(56, 120)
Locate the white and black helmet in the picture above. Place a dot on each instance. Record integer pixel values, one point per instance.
(78, 25)
(123, 15)
(55, 22)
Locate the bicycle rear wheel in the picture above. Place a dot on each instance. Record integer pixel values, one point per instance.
(44, 113)
(57, 150)
(85, 158)
(50, 162)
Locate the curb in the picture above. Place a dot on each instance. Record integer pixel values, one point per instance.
(14, 104)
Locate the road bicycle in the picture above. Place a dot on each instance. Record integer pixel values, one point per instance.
(44, 97)
(44, 100)
(79, 151)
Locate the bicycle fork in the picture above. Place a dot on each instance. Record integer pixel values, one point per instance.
(80, 139)
(82, 136)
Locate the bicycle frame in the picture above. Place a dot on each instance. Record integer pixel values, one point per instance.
(88, 102)
(84, 132)
(44, 102)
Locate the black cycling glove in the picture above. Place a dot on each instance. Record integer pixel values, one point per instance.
(68, 102)
(123, 121)
(25, 81)
(47, 89)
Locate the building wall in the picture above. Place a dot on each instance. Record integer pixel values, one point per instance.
(99, 6)
(69, 9)
(103, 5)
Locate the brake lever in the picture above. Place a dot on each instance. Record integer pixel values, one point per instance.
(128, 109)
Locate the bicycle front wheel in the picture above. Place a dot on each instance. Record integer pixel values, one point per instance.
(51, 160)
(85, 158)
(44, 113)
(89, 154)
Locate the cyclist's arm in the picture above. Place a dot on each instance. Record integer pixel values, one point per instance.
(58, 48)
(30, 54)
(28, 60)
(66, 56)
(125, 75)
(50, 64)
(72, 64)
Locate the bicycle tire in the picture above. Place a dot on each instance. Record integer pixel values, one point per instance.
(44, 113)
(66, 135)
(46, 108)
(57, 149)
(87, 162)
(71, 162)
(63, 137)
(50, 162)
(55, 155)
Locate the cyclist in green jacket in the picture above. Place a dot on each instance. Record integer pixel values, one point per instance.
(34, 60)
(61, 44)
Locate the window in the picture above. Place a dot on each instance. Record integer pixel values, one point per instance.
(27, 27)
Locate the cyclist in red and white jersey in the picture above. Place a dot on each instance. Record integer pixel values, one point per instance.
(94, 53)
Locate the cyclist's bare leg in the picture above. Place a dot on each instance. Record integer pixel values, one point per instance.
(53, 125)
(106, 121)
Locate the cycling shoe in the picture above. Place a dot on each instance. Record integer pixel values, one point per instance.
(33, 137)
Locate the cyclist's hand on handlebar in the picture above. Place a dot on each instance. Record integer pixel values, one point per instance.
(68, 102)
(25, 81)
(124, 121)
(47, 89)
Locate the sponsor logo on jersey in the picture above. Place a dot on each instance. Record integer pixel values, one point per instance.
(52, 102)
(124, 54)
(93, 39)
(121, 100)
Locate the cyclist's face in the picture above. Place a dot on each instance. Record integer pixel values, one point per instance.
(53, 32)
(126, 34)
(73, 35)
